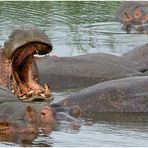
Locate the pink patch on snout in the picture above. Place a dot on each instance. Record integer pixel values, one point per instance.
(47, 115)
(137, 13)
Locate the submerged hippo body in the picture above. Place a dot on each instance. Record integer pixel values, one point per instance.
(84, 70)
(133, 15)
(123, 95)
(138, 55)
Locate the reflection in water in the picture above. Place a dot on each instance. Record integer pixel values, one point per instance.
(78, 28)
(22, 139)
(115, 117)
(62, 127)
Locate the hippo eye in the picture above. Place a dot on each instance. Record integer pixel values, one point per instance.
(43, 114)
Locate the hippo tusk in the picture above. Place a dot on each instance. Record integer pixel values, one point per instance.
(47, 90)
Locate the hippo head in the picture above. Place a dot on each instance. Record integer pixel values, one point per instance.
(133, 15)
(20, 48)
(43, 117)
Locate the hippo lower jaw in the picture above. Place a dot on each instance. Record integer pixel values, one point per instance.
(23, 78)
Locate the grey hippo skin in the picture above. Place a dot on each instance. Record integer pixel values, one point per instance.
(133, 15)
(123, 95)
(85, 70)
(6, 95)
(138, 55)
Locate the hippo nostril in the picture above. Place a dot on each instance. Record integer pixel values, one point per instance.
(43, 113)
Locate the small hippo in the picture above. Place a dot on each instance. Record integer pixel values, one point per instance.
(133, 15)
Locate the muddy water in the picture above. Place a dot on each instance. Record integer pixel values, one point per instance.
(78, 28)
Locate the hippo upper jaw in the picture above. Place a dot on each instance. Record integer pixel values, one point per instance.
(19, 49)
(24, 78)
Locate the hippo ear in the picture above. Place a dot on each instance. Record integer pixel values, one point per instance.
(30, 113)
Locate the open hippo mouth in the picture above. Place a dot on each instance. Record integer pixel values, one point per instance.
(23, 44)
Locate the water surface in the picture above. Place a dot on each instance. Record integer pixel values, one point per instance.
(78, 28)
(74, 27)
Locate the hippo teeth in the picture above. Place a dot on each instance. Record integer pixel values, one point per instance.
(34, 95)
(30, 93)
(24, 81)
(44, 94)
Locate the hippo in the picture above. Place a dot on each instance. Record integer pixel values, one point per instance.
(25, 117)
(19, 72)
(21, 122)
(133, 15)
(139, 55)
(121, 95)
(84, 70)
